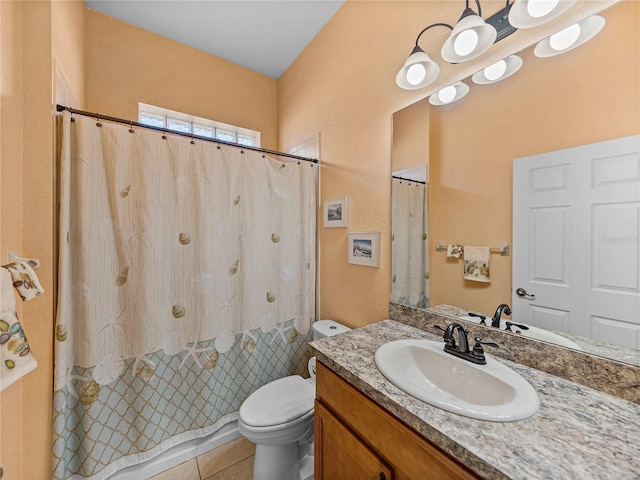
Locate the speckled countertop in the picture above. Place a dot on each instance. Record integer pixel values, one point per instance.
(578, 433)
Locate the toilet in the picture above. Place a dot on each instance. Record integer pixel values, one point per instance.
(278, 418)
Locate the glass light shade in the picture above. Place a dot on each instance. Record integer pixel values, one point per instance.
(495, 71)
(511, 65)
(418, 71)
(463, 41)
(588, 28)
(565, 38)
(532, 13)
(540, 8)
(466, 42)
(449, 94)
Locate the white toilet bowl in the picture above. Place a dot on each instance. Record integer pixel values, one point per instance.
(278, 418)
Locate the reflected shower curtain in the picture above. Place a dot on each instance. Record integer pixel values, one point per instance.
(409, 262)
(187, 281)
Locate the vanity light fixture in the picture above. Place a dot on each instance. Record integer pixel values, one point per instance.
(498, 71)
(449, 94)
(532, 13)
(470, 38)
(570, 38)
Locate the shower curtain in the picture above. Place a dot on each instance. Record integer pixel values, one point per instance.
(409, 225)
(186, 281)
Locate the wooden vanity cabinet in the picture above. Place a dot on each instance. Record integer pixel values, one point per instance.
(356, 439)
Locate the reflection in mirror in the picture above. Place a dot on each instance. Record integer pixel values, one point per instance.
(409, 207)
(409, 266)
(585, 96)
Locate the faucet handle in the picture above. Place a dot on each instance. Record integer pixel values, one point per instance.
(511, 324)
(478, 351)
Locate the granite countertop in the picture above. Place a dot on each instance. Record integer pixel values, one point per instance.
(577, 433)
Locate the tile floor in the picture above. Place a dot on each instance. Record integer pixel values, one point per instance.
(231, 461)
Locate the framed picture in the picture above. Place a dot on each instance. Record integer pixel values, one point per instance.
(364, 248)
(336, 212)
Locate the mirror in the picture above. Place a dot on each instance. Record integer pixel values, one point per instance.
(584, 96)
(409, 207)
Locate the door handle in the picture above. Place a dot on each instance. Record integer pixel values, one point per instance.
(521, 292)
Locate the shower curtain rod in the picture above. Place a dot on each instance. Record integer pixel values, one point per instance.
(98, 116)
(408, 180)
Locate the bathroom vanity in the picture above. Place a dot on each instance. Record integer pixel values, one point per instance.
(367, 428)
(357, 439)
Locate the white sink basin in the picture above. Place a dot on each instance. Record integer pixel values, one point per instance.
(533, 332)
(424, 370)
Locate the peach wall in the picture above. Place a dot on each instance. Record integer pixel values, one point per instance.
(67, 36)
(410, 144)
(343, 86)
(126, 65)
(585, 96)
(11, 209)
(27, 206)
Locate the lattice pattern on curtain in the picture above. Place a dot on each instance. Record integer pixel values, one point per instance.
(409, 261)
(187, 281)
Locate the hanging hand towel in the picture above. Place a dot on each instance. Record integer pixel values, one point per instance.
(16, 359)
(476, 263)
(455, 251)
(25, 279)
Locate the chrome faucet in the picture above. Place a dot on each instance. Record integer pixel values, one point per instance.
(462, 349)
(502, 308)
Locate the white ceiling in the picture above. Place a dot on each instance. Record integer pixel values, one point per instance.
(263, 35)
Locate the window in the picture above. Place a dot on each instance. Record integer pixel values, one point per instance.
(202, 127)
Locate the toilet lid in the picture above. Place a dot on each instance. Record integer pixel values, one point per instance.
(277, 402)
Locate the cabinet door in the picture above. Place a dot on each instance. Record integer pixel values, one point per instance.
(341, 455)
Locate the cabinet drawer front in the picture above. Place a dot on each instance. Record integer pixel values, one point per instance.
(408, 454)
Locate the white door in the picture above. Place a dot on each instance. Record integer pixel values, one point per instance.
(576, 241)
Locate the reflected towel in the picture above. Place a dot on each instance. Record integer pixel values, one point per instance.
(455, 251)
(476, 263)
(25, 279)
(16, 359)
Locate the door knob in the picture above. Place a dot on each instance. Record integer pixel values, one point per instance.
(521, 292)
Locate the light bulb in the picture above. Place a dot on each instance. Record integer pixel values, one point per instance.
(416, 74)
(540, 8)
(495, 71)
(565, 38)
(447, 94)
(465, 42)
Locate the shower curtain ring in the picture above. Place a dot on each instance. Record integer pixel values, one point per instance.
(98, 124)
(131, 126)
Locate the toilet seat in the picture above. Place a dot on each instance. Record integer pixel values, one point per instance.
(278, 402)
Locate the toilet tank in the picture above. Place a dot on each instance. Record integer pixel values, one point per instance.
(327, 328)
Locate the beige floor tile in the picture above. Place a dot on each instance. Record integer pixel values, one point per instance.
(240, 471)
(184, 471)
(225, 456)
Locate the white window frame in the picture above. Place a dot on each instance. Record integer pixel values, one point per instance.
(240, 135)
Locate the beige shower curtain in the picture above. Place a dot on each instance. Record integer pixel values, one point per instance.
(187, 280)
(409, 263)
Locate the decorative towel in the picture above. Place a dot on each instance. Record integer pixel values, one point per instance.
(476, 263)
(25, 279)
(455, 251)
(16, 359)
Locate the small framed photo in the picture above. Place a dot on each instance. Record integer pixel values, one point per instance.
(336, 212)
(364, 248)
